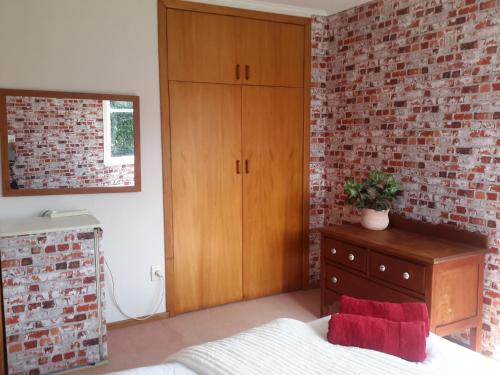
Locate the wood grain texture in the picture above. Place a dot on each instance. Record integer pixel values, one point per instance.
(207, 202)
(6, 189)
(457, 298)
(272, 190)
(273, 53)
(456, 282)
(237, 15)
(447, 275)
(444, 231)
(201, 47)
(357, 286)
(237, 12)
(418, 247)
(166, 153)
(349, 255)
(394, 268)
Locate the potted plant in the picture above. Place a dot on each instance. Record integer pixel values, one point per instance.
(373, 197)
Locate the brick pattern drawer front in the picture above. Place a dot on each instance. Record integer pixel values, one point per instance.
(397, 271)
(346, 254)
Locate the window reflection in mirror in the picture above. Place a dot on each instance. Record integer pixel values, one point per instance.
(118, 117)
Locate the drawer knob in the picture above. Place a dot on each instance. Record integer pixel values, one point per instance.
(406, 275)
(334, 280)
(334, 251)
(350, 257)
(381, 268)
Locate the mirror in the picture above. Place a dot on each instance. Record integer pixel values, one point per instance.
(69, 143)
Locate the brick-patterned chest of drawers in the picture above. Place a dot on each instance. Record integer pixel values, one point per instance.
(52, 295)
(407, 262)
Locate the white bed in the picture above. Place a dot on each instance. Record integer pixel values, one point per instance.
(287, 346)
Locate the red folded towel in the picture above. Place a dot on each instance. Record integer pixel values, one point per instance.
(403, 339)
(397, 312)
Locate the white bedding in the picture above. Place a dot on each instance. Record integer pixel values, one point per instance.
(287, 346)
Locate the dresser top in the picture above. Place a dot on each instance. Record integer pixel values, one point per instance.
(35, 225)
(420, 247)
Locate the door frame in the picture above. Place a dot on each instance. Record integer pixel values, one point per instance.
(163, 5)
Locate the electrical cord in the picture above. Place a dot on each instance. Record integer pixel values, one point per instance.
(115, 302)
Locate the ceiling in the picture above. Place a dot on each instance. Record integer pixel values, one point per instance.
(293, 7)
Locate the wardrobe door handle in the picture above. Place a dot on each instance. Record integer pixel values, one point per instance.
(247, 166)
(247, 72)
(237, 71)
(237, 167)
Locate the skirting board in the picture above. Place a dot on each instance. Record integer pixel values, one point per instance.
(132, 322)
(86, 367)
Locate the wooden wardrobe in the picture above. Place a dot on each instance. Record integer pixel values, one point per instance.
(235, 113)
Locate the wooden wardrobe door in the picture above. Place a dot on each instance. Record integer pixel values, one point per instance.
(201, 47)
(271, 53)
(207, 201)
(272, 190)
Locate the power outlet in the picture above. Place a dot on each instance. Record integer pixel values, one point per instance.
(154, 271)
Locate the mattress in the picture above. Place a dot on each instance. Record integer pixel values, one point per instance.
(292, 347)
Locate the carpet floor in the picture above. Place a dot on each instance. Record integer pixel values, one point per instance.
(150, 343)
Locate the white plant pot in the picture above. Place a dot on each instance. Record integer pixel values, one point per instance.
(374, 220)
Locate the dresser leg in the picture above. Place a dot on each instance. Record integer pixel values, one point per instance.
(476, 335)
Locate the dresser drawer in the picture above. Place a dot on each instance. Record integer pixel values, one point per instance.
(398, 271)
(345, 282)
(346, 254)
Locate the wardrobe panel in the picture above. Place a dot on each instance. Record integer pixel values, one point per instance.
(202, 47)
(271, 53)
(272, 189)
(207, 200)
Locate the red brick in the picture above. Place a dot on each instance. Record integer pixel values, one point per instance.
(441, 134)
(10, 263)
(15, 348)
(50, 249)
(63, 247)
(30, 345)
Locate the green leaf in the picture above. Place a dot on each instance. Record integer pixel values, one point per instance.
(376, 192)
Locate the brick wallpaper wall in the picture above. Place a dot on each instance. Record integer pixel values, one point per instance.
(413, 88)
(60, 143)
(50, 302)
(320, 113)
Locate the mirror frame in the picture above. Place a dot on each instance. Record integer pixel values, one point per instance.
(4, 153)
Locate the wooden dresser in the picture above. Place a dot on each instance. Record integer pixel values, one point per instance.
(409, 261)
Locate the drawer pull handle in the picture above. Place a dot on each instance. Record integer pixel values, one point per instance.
(381, 268)
(334, 251)
(351, 257)
(406, 275)
(334, 280)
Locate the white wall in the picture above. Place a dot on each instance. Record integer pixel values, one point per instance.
(101, 46)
